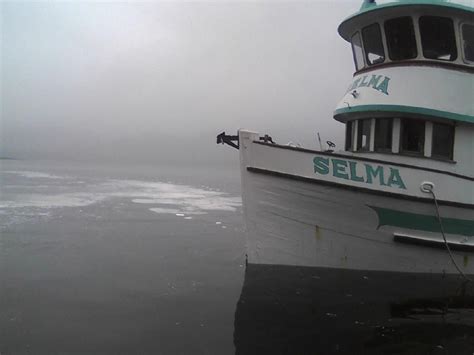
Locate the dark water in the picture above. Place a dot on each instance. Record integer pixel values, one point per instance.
(302, 310)
(107, 261)
(151, 260)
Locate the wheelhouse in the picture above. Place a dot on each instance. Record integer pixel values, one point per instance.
(412, 92)
(430, 35)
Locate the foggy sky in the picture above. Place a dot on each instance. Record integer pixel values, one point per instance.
(156, 81)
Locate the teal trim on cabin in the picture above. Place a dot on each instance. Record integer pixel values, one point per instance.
(406, 109)
(370, 6)
(427, 223)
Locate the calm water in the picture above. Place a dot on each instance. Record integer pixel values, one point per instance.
(118, 260)
(151, 260)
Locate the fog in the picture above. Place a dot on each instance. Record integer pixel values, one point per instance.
(155, 82)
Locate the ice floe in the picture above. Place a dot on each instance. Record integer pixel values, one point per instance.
(164, 210)
(187, 198)
(52, 201)
(34, 174)
(160, 197)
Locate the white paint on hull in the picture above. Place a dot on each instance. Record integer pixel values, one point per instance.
(312, 224)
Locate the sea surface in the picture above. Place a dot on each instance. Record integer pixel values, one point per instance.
(118, 260)
(104, 259)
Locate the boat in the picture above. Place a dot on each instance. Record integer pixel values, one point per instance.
(400, 196)
(370, 250)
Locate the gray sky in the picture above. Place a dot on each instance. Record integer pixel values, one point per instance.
(156, 81)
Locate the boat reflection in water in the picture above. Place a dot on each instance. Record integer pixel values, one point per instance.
(306, 310)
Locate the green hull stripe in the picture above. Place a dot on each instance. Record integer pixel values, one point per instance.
(405, 109)
(389, 217)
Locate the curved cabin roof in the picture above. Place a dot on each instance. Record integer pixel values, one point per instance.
(370, 9)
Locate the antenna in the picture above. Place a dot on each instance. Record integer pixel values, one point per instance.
(320, 144)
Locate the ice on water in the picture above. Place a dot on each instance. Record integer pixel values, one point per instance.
(34, 174)
(157, 197)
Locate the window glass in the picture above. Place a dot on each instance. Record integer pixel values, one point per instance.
(363, 135)
(349, 135)
(383, 134)
(374, 52)
(443, 141)
(413, 136)
(357, 51)
(438, 38)
(468, 41)
(401, 40)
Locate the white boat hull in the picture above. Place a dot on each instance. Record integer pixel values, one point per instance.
(295, 219)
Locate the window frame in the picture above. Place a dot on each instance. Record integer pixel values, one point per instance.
(402, 151)
(382, 42)
(360, 125)
(389, 149)
(455, 39)
(461, 38)
(396, 137)
(349, 142)
(433, 143)
(419, 58)
(364, 64)
(415, 29)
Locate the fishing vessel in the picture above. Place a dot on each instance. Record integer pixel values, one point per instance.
(361, 251)
(400, 196)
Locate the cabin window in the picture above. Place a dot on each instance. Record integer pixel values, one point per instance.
(357, 51)
(443, 141)
(401, 40)
(467, 31)
(349, 135)
(383, 134)
(412, 136)
(363, 134)
(437, 38)
(373, 45)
